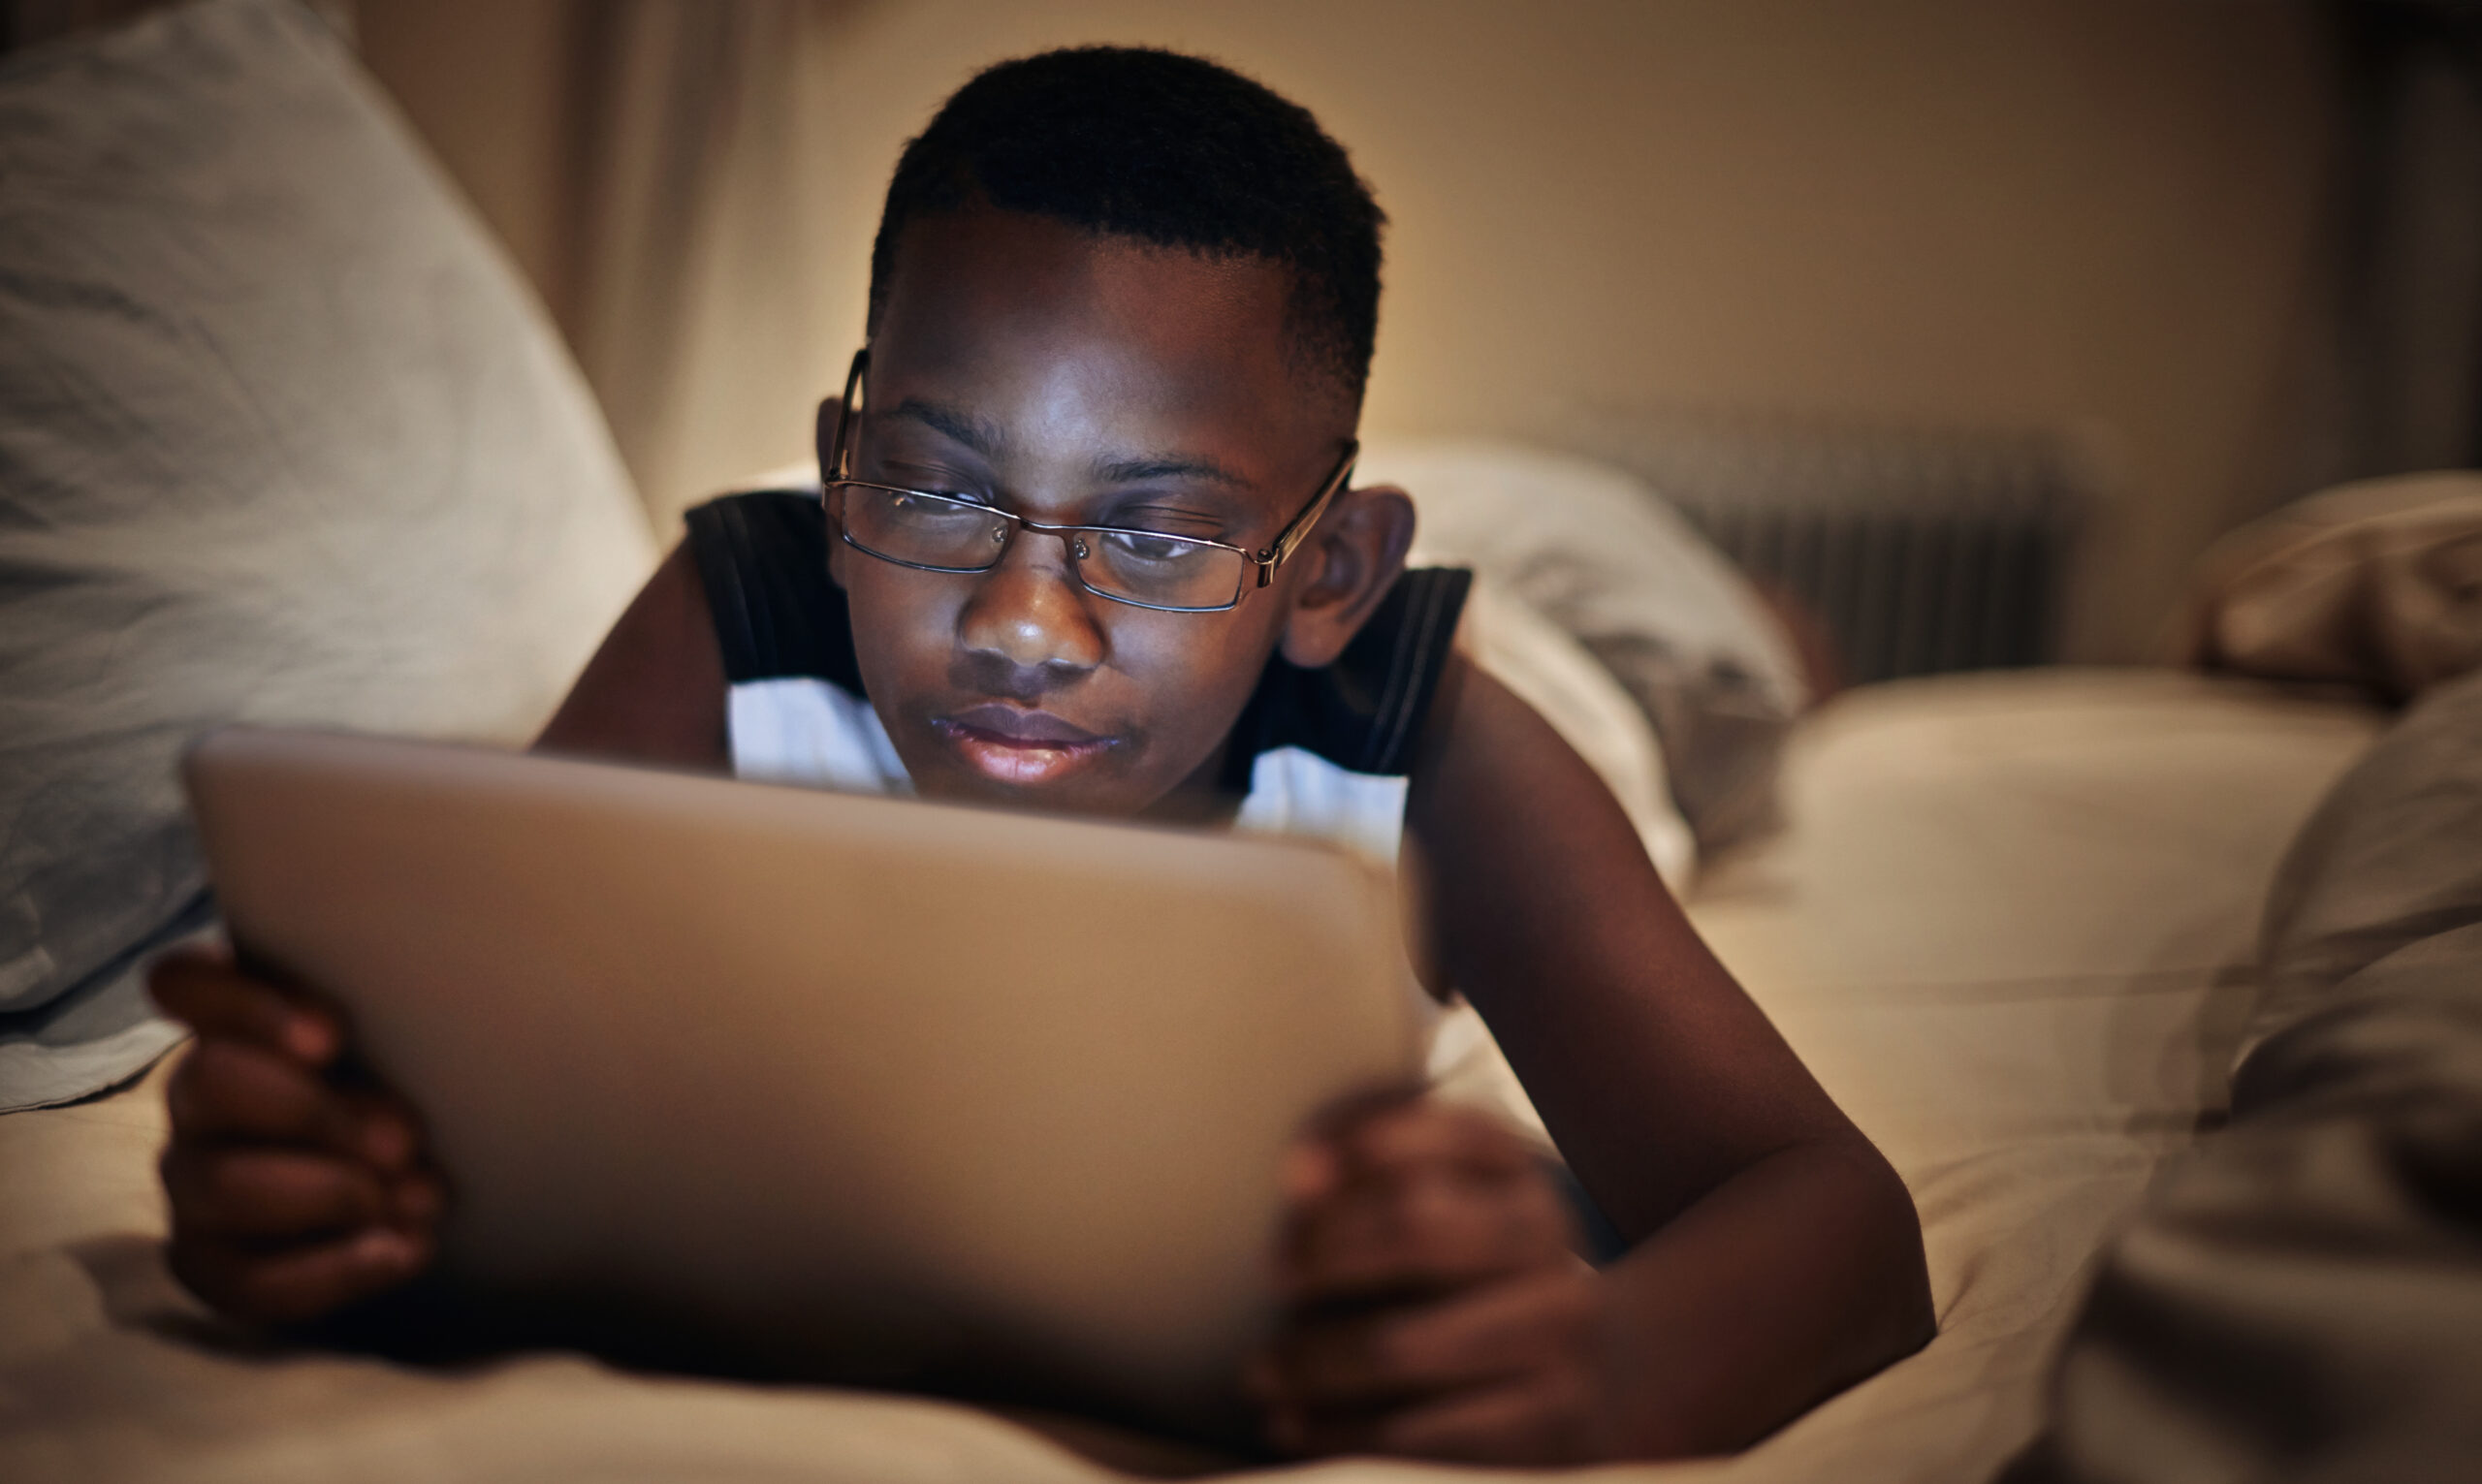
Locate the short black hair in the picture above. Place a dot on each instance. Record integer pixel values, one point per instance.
(1173, 150)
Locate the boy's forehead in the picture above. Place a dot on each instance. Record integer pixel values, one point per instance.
(1046, 327)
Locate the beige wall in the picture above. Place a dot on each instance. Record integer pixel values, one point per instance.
(2098, 214)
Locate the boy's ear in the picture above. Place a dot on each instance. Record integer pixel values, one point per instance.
(1355, 555)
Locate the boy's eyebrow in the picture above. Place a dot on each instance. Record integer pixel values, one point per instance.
(988, 440)
(1130, 471)
(982, 436)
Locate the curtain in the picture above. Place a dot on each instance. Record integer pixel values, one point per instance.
(2410, 339)
(688, 292)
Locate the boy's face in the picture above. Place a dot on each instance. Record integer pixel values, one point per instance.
(1079, 379)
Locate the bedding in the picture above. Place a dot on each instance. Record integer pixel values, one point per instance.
(2302, 1298)
(2011, 926)
(282, 438)
(2392, 860)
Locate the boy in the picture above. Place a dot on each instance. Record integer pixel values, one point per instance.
(1088, 543)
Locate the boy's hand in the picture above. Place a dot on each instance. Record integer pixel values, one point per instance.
(293, 1194)
(1435, 1306)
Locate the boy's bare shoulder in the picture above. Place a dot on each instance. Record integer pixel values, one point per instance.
(654, 691)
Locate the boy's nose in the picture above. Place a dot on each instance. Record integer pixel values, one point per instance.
(1029, 614)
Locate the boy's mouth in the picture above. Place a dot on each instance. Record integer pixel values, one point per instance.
(1009, 746)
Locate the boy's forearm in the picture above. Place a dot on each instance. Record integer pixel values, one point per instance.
(1795, 1278)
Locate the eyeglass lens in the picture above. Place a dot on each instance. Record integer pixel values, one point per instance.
(928, 530)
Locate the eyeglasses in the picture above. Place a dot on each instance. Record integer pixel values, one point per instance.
(1144, 569)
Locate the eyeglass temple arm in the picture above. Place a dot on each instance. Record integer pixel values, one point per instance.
(1298, 531)
(838, 452)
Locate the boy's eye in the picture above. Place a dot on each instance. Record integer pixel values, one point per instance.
(1171, 521)
(911, 502)
(1149, 549)
(1158, 570)
(928, 476)
(920, 509)
(923, 497)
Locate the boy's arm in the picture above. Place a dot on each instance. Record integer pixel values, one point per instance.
(1775, 1255)
(654, 691)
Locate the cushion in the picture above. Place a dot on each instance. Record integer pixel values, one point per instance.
(282, 438)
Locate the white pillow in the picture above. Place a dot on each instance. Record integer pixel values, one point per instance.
(1596, 551)
(1549, 670)
(282, 438)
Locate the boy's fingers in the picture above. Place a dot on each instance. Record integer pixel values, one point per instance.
(415, 1201)
(1394, 1138)
(237, 1091)
(1372, 1360)
(298, 1283)
(1483, 1336)
(201, 988)
(1544, 1419)
(1409, 1135)
(226, 1088)
(1311, 1171)
(1426, 1233)
(270, 1192)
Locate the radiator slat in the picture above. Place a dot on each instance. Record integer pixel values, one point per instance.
(1920, 551)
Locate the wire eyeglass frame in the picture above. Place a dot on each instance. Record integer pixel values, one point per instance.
(1265, 560)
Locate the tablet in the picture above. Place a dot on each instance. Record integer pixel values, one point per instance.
(869, 1088)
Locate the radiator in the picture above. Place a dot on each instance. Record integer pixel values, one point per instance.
(1918, 549)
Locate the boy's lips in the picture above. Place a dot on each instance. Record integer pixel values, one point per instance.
(1009, 746)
